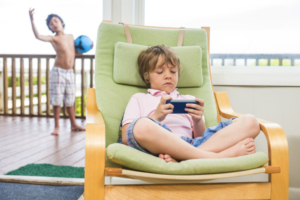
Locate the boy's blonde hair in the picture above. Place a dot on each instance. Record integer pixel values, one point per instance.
(148, 58)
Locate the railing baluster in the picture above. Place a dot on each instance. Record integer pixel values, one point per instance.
(74, 68)
(22, 85)
(5, 85)
(292, 62)
(15, 69)
(47, 88)
(223, 61)
(234, 62)
(280, 61)
(91, 73)
(13, 84)
(39, 82)
(82, 87)
(256, 61)
(30, 88)
(64, 109)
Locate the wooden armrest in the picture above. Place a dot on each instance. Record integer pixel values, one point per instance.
(277, 142)
(94, 149)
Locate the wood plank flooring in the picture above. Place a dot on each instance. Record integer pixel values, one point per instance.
(25, 140)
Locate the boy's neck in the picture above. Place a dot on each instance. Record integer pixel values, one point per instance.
(59, 33)
(163, 90)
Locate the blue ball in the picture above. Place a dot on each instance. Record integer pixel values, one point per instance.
(83, 44)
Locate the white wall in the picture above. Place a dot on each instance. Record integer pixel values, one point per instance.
(273, 95)
(277, 104)
(126, 11)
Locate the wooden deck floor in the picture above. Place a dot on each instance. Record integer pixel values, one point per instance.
(25, 140)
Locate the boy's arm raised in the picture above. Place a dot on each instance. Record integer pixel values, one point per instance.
(44, 38)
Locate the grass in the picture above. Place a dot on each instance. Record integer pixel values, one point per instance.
(49, 170)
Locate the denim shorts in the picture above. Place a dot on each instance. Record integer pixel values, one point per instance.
(196, 142)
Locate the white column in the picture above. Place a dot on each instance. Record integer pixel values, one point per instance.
(106, 10)
(140, 12)
(126, 11)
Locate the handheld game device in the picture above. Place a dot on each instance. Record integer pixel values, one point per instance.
(180, 105)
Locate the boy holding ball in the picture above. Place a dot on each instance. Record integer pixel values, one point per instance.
(62, 85)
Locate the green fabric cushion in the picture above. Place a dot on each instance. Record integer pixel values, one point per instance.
(126, 67)
(137, 160)
(112, 98)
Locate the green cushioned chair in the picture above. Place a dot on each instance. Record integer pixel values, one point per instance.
(117, 80)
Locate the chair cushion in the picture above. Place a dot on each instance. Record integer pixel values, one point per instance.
(112, 97)
(137, 160)
(125, 69)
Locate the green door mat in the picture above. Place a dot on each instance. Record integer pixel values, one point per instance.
(49, 171)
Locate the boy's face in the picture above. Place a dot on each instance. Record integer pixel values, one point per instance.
(163, 77)
(56, 25)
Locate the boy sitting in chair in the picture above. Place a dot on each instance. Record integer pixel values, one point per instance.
(149, 126)
(61, 76)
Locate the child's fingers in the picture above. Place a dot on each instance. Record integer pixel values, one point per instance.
(165, 98)
(201, 101)
(195, 107)
(168, 111)
(168, 106)
(196, 112)
(195, 116)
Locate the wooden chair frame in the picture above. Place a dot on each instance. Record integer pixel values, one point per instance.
(183, 187)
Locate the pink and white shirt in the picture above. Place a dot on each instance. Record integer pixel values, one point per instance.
(142, 104)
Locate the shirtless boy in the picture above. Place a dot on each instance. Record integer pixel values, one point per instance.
(62, 85)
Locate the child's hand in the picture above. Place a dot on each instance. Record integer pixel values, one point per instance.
(163, 109)
(197, 112)
(31, 13)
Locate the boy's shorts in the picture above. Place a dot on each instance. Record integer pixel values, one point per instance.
(62, 87)
(196, 142)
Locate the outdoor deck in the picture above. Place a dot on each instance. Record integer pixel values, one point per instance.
(25, 140)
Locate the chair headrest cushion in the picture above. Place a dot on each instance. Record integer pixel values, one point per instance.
(125, 69)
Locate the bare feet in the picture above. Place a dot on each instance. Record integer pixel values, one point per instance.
(77, 128)
(242, 148)
(56, 131)
(167, 158)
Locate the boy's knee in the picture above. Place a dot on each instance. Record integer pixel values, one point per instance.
(252, 125)
(142, 129)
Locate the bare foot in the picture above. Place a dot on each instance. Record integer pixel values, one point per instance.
(77, 128)
(55, 132)
(242, 148)
(167, 158)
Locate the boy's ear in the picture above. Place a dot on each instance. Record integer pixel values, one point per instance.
(146, 77)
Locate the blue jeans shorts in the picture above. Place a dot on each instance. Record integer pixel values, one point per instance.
(196, 142)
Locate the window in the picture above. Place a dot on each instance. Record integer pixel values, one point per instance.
(236, 26)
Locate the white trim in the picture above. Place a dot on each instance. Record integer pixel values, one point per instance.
(41, 180)
(126, 11)
(140, 12)
(256, 76)
(106, 10)
(294, 193)
(116, 11)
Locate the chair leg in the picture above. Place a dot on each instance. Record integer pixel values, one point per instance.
(94, 162)
(279, 186)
